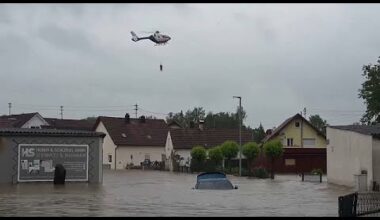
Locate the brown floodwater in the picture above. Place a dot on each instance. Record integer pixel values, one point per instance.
(161, 193)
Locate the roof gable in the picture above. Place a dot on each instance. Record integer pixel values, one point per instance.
(288, 121)
(16, 121)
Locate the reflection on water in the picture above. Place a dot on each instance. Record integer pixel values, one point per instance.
(159, 193)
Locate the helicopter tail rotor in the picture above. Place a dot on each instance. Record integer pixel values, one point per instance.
(134, 36)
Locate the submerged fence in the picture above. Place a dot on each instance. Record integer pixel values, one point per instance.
(360, 204)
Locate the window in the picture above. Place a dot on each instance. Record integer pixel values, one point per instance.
(110, 158)
(308, 142)
(290, 162)
(297, 124)
(290, 142)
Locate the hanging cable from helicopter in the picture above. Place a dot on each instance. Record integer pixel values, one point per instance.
(156, 37)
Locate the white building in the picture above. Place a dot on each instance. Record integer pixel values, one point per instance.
(131, 141)
(352, 150)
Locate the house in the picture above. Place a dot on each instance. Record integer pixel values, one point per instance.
(131, 140)
(180, 141)
(351, 151)
(71, 124)
(304, 146)
(26, 120)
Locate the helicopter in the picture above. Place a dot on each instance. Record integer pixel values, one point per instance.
(156, 37)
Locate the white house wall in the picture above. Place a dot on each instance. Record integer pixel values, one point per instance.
(35, 121)
(376, 160)
(123, 155)
(108, 146)
(347, 154)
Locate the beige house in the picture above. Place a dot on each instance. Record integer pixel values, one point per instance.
(352, 150)
(131, 141)
(297, 132)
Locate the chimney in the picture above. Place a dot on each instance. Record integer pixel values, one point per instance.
(126, 119)
(268, 132)
(201, 125)
(142, 119)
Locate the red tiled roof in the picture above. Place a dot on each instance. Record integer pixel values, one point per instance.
(190, 137)
(15, 121)
(69, 124)
(152, 132)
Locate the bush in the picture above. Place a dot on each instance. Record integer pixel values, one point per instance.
(198, 153)
(260, 172)
(317, 171)
(215, 155)
(273, 149)
(229, 149)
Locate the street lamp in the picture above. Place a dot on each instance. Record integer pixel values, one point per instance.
(239, 97)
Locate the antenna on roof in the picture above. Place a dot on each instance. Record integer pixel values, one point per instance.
(61, 111)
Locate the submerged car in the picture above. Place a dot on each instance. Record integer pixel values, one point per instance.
(213, 180)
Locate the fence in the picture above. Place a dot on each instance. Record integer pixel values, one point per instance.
(360, 204)
(311, 177)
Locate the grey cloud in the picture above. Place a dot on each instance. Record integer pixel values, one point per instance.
(66, 39)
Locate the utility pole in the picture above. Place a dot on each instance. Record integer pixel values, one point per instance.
(136, 109)
(9, 106)
(239, 97)
(61, 111)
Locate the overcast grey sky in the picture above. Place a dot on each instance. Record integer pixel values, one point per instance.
(279, 57)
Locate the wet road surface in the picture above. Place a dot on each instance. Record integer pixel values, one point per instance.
(161, 193)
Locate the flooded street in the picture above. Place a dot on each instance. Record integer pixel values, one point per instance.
(159, 193)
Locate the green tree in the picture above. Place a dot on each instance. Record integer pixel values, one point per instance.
(273, 149)
(259, 134)
(215, 155)
(211, 120)
(229, 150)
(90, 119)
(318, 122)
(198, 157)
(370, 92)
(250, 150)
(198, 153)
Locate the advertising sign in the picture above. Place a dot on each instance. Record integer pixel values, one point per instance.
(36, 162)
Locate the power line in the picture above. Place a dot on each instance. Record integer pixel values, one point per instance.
(336, 110)
(72, 106)
(158, 113)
